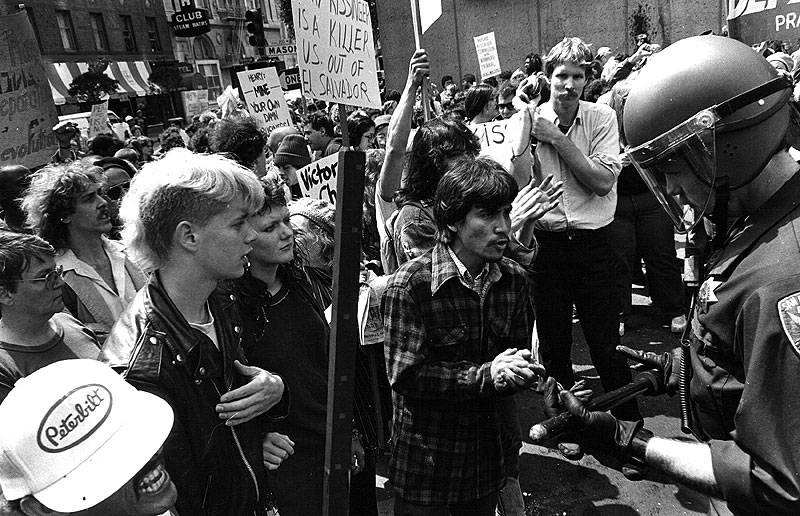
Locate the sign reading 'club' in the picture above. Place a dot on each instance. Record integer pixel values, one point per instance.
(190, 21)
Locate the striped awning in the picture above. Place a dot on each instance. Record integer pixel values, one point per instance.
(131, 75)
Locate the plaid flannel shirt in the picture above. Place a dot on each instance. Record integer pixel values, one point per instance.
(440, 341)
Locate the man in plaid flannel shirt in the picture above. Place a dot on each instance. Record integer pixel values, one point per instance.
(458, 323)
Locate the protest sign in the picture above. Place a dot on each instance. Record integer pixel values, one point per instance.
(495, 138)
(318, 180)
(487, 55)
(27, 111)
(264, 98)
(98, 120)
(194, 102)
(336, 51)
(754, 21)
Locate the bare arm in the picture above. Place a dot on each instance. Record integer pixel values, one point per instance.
(687, 462)
(400, 127)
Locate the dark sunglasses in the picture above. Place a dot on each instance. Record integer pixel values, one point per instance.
(49, 279)
(507, 105)
(116, 192)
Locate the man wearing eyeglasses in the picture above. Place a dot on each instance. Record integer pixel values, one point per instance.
(65, 206)
(505, 95)
(34, 331)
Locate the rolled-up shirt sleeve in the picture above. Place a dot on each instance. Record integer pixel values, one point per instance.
(605, 142)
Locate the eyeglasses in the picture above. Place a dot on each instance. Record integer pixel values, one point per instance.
(507, 105)
(50, 279)
(116, 192)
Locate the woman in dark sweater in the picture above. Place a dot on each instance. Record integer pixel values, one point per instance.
(285, 330)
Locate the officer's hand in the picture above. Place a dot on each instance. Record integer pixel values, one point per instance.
(275, 449)
(261, 393)
(550, 390)
(603, 428)
(667, 364)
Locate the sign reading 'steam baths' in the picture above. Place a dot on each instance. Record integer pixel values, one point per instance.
(336, 51)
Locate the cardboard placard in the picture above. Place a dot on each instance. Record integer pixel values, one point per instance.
(264, 98)
(488, 60)
(98, 120)
(318, 180)
(336, 51)
(27, 111)
(194, 102)
(495, 138)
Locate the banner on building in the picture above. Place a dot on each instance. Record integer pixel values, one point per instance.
(190, 21)
(98, 120)
(264, 98)
(336, 51)
(194, 102)
(754, 21)
(318, 180)
(27, 111)
(488, 60)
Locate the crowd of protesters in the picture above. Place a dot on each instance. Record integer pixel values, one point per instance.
(193, 266)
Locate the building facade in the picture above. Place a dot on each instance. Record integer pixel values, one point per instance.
(524, 26)
(225, 46)
(72, 34)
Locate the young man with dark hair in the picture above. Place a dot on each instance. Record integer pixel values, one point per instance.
(187, 219)
(243, 140)
(319, 132)
(458, 322)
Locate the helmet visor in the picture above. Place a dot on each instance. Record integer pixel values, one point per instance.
(688, 147)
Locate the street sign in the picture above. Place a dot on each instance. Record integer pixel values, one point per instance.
(282, 50)
(290, 79)
(190, 21)
(754, 21)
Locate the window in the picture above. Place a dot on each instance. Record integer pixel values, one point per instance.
(210, 70)
(127, 33)
(67, 31)
(152, 34)
(99, 31)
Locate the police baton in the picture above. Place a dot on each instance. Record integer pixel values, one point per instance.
(552, 428)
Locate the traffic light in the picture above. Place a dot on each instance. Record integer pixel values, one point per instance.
(255, 26)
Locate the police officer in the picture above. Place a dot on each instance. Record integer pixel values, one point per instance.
(708, 122)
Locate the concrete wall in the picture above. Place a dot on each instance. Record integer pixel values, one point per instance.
(523, 26)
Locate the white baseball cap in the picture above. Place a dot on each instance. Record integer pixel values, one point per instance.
(74, 432)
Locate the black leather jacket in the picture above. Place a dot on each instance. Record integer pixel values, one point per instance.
(217, 470)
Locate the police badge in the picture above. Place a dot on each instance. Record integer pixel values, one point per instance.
(789, 311)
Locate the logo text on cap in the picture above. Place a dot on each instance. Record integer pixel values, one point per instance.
(73, 418)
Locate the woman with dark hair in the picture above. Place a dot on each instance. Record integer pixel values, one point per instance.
(143, 146)
(285, 329)
(435, 145)
(480, 104)
(361, 130)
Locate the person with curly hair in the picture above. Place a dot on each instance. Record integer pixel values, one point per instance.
(143, 145)
(64, 205)
(241, 139)
(170, 138)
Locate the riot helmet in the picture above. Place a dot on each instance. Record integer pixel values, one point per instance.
(709, 106)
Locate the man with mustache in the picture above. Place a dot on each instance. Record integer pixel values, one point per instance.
(578, 143)
(66, 206)
(458, 321)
